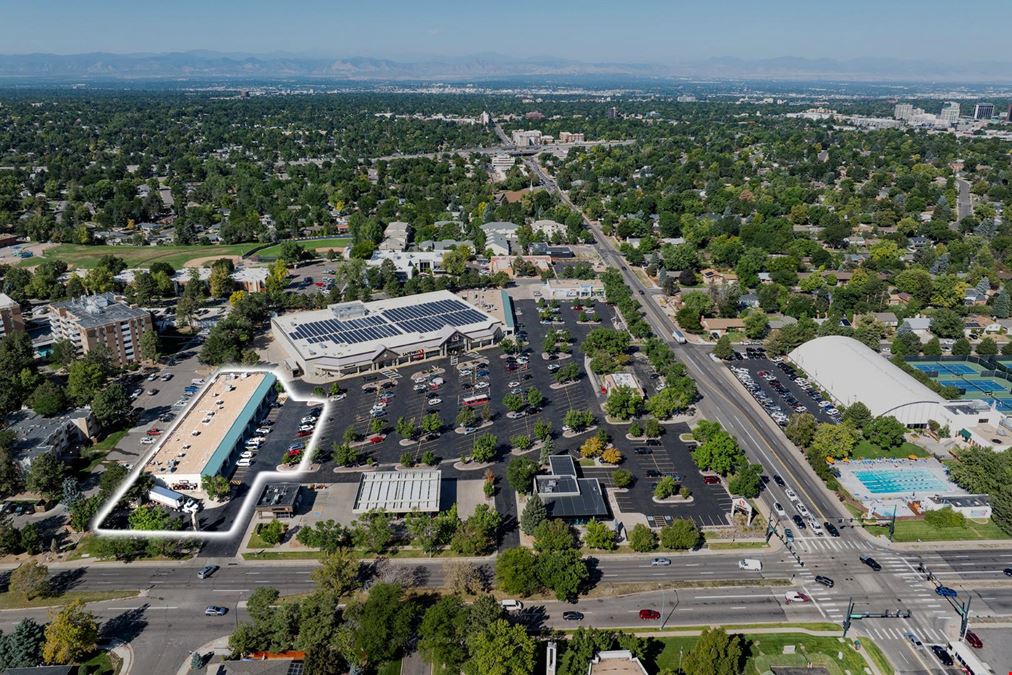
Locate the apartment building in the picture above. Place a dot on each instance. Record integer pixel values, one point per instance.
(10, 316)
(101, 319)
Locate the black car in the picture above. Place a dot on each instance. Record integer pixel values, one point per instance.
(1007, 571)
(829, 527)
(653, 473)
(572, 616)
(642, 451)
(943, 656)
(870, 562)
(799, 521)
(778, 480)
(825, 581)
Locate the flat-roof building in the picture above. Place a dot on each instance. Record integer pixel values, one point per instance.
(573, 289)
(10, 316)
(208, 437)
(279, 500)
(568, 497)
(93, 320)
(354, 337)
(616, 662)
(36, 435)
(399, 491)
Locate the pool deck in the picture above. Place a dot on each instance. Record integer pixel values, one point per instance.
(883, 503)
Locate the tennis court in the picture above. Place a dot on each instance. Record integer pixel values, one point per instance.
(949, 368)
(966, 376)
(983, 384)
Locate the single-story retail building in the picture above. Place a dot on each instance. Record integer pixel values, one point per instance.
(399, 492)
(354, 337)
(567, 496)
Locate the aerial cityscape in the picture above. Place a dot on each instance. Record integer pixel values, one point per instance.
(563, 338)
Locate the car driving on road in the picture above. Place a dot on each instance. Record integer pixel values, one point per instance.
(214, 610)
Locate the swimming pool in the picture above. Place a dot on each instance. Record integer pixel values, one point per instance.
(905, 480)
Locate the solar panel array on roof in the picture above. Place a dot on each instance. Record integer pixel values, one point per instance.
(433, 316)
(345, 331)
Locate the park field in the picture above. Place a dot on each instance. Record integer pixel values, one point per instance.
(272, 252)
(86, 257)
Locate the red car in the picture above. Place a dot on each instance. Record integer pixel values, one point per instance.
(303, 434)
(973, 640)
(649, 614)
(377, 438)
(154, 431)
(711, 480)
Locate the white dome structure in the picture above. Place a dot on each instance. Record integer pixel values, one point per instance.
(850, 371)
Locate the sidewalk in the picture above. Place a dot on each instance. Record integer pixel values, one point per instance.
(218, 646)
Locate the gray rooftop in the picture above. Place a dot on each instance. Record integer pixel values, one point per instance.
(567, 496)
(33, 431)
(276, 495)
(92, 311)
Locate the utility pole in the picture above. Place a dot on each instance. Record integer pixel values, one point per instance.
(850, 615)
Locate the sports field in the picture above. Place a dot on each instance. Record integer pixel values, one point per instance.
(87, 257)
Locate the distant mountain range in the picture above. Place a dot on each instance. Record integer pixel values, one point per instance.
(214, 65)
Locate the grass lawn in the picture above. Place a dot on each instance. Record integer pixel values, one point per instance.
(103, 663)
(918, 530)
(389, 668)
(335, 242)
(135, 256)
(10, 601)
(767, 650)
(866, 450)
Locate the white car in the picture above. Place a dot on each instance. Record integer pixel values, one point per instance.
(246, 454)
(465, 372)
(791, 494)
(434, 401)
(815, 526)
(779, 510)
(306, 427)
(802, 509)
(264, 430)
(552, 367)
(308, 419)
(339, 397)
(248, 461)
(481, 385)
(521, 359)
(148, 440)
(516, 415)
(791, 597)
(513, 384)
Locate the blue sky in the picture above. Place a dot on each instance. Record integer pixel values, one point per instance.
(592, 30)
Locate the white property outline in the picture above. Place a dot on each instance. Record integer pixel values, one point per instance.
(262, 478)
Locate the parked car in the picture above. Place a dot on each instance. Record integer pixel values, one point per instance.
(206, 571)
(711, 480)
(154, 431)
(649, 614)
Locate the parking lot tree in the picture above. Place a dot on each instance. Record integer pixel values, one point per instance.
(466, 417)
(521, 441)
(547, 450)
(407, 459)
(429, 458)
(442, 633)
(719, 452)
(669, 401)
(377, 425)
(350, 435)
(592, 448)
(516, 571)
(345, 455)
(406, 428)
(112, 406)
(642, 538)
(372, 531)
(666, 486)
(520, 473)
(623, 403)
(534, 514)
(611, 455)
(635, 430)
(71, 636)
(551, 343)
(834, 440)
(621, 478)
(961, 347)
(567, 373)
(319, 391)
(513, 402)
(29, 580)
(272, 532)
(45, 476)
(652, 428)
(484, 448)
(599, 536)
(542, 429)
(148, 346)
(681, 535)
(377, 629)
(502, 648)
(746, 481)
(509, 345)
(886, 432)
(432, 425)
(723, 349)
(535, 399)
(578, 420)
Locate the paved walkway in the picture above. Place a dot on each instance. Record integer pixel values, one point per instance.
(414, 664)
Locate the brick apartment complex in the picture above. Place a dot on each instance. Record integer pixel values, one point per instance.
(101, 319)
(10, 316)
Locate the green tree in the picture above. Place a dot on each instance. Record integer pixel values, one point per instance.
(217, 487)
(857, 415)
(723, 349)
(671, 400)
(564, 572)
(513, 402)
(29, 580)
(520, 474)
(621, 478)
(833, 440)
(338, 573)
(886, 432)
(623, 403)
(599, 536)
(23, 647)
(71, 636)
(756, 324)
(443, 633)
(946, 323)
(933, 347)
(484, 448)
(148, 347)
(801, 429)
(516, 571)
(377, 629)
(666, 486)
(715, 653)
(432, 424)
(372, 531)
(112, 406)
(746, 481)
(961, 347)
(719, 452)
(642, 538)
(501, 649)
(987, 347)
(943, 518)
(681, 535)
(272, 532)
(48, 399)
(535, 399)
(45, 476)
(84, 379)
(533, 514)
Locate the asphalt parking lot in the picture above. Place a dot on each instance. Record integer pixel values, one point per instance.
(780, 398)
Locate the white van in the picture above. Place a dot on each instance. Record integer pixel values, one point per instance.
(750, 565)
(511, 605)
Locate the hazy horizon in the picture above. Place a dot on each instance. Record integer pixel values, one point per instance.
(650, 31)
